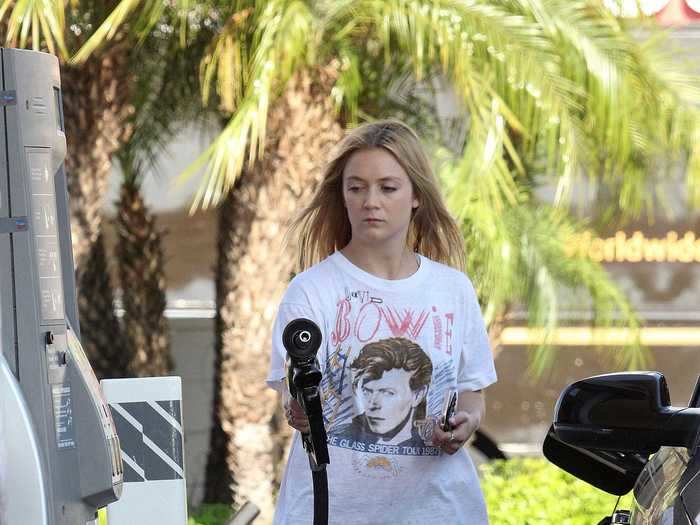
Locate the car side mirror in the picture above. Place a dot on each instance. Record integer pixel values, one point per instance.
(624, 412)
(613, 472)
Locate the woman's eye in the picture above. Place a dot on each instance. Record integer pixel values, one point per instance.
(353, 188)
(389, 188)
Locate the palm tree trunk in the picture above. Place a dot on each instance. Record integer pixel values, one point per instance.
(142, 276)
(101, 332)
(247, 438)
(95, 96)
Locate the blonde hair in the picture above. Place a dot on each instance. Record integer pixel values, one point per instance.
(323, 226)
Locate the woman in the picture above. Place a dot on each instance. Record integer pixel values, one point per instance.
(401, 327)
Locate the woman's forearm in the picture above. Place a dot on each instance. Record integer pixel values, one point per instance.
(472, 403)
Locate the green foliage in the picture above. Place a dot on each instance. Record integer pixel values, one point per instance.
(207, 514)
(529, 491)
(210, 514)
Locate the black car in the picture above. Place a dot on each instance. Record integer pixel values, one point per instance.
(619, 432)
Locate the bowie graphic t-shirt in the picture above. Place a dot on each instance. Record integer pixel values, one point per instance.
(391, 351)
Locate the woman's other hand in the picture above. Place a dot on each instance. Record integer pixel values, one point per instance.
(296, 418)
(463, 426)
(470, 410)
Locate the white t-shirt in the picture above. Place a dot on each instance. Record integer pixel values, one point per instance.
(391, 350)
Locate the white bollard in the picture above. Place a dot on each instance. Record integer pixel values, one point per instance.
(148, 415)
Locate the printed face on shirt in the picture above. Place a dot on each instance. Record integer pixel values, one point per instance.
(388, 400)
(378, 196)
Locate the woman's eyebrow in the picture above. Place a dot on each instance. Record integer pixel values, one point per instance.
(388, 178)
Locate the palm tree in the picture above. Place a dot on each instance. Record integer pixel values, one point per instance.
(162, 102)
(544, 91)
(251, 269)
(141, 274)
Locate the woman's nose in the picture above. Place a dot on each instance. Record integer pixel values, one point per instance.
(371, 198)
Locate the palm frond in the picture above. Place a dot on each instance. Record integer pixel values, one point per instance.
(43, 20)
(482, 174)
(162, 99)
(554, 273)
(489, 53)
(225, 61)
(279, 47)
(108, 29)
(347, 90)
(137, 16)
(676, 115)
(521, 255)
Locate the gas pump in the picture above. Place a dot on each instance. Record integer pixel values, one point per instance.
(59, 452)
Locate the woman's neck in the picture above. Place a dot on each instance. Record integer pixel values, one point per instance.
(387, 263)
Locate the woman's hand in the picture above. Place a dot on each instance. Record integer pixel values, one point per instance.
(463, 426)
(296, 417)
(470, 409)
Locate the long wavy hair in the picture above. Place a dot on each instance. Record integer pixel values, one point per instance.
(323, 226)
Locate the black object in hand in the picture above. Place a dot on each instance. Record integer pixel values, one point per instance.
(448, 410)
(301, 339)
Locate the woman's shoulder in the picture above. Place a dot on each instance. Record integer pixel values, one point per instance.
(324, 268)
(454, 282)
(313, 278)
(447, 273)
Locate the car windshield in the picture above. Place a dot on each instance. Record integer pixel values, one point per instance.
(657, 487)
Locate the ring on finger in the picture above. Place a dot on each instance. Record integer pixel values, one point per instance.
(452, 437)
